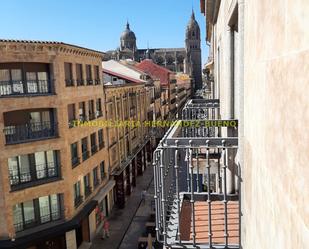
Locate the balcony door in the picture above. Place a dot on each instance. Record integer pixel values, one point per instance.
(37, 82)
(40, 120)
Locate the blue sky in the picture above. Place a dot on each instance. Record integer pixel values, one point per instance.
(97, 24)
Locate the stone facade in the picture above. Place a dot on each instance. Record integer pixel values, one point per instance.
(260, 57)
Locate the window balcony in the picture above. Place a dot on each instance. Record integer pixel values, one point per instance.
(89, 82)
(15, 134)
(80, 82)
(101, 145)
(97, 81)
(51, 216)
(94, 149)
(42, 174)
(75, 161)
(25, 87)
(78, 201)
(99, 113)
(69, 82)
(92, 116)
(88, 191)
(85, 155)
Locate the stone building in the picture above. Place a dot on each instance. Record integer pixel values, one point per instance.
(54, 175)
(187, 59)
(129, 100)
(258, 68)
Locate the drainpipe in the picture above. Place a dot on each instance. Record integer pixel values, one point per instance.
(241, 10)
(229, 108)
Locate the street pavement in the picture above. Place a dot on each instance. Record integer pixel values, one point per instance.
(127, 225)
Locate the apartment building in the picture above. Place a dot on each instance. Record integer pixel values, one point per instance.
(54, 174)
(168, 85)
(258, 67)
(129, 103)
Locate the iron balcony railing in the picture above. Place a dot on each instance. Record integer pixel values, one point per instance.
(194, 205)
(88, 191)
(41, 172)
(78, 200)
(94, 149)
(28, 87)
(29, 132)
(75, 161)
(85, 155)
(44, 216)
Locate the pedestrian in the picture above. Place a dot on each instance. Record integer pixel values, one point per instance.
(143, 196)
(105, 229)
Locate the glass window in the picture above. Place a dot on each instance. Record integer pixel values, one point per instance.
(13, 170)
(44, 209)
(102, 170)
(18, 217)
(55, 207)
(24, 168)
(40, 164)
(77, 189)
(28, 212)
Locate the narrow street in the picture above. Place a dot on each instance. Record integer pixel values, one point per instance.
(127, 225)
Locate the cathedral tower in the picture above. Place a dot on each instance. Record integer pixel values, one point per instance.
(193, 51)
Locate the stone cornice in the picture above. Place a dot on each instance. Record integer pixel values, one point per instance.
(47, 46)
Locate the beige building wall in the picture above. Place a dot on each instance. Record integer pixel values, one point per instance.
(275, 187)
(276, 110)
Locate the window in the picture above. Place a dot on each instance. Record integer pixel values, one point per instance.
(71, 115)
(95, 177)
(85, 152)
(91, 109)
(79, 75)
(97, 75)
(68, 74)
(74, 155)
(78, 199)
(101, 138)
(38, 211)
(82, 111)
(102, 170)
(87, 187)
(99, 108)
(32, 167)
(89, 75)
(93, 141)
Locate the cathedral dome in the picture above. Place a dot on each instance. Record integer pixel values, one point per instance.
(127, 34)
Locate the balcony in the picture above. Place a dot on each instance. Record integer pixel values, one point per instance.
(85, 155)
(15, 134)
(42, 219)
(99, 113)
(89, 82)
(42, 174)
(24, 88)
(101, 145)
(94, 149)
(97, 81)
(92, 116)
(78, 201)
(194, 208)
(88, 191)
(80, 82)
(75, 161)
(69, 82)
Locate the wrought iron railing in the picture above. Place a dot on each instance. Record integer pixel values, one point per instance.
(41, 172)
(78, 200)
(41, 219)
(28, 87)
(94, 149)
(31, 131)
(88, 191)
(85, 155)
(75, 161)
(194, 205)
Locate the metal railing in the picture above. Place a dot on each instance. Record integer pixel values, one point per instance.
(78, 200)
(25, 87)
(31, 131)
(41, 219)
(88, 191)
(41, 172)
(194, 208)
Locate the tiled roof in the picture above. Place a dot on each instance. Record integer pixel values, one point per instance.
(155, 71)
(217, 218)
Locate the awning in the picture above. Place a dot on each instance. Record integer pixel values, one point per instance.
(104, 191)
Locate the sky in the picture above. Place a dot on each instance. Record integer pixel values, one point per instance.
(98, 24)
